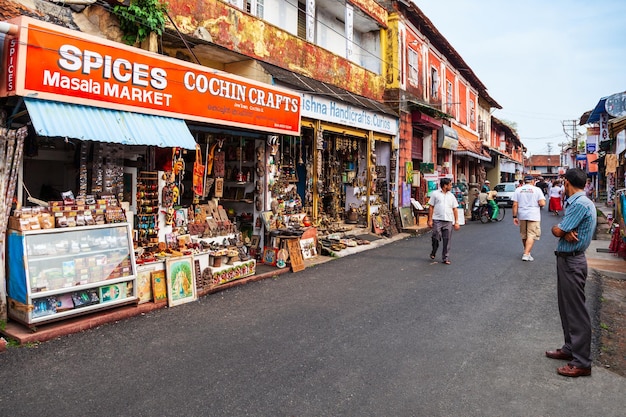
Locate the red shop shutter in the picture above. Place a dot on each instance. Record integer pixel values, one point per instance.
(417, 147)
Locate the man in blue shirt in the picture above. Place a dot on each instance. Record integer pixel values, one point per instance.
(574, 232)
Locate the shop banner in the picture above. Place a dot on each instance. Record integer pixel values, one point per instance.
(322, 108)
(50, 62)
(448, 138)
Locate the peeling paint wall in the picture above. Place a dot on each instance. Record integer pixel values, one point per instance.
(257, 39)
(372, 9)
(390, 52)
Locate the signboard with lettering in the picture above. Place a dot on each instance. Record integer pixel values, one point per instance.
(50, 62)
(604, 127)
(615, 104)
(340, 113)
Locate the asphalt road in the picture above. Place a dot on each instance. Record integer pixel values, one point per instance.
(385, 332)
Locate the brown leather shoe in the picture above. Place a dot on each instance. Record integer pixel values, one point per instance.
(573, 371)
(559, 354)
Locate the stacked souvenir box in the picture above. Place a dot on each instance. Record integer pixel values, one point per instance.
(87, 211)
(31, 218)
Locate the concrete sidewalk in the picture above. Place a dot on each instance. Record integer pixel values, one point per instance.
(24, 335)
(598, 256)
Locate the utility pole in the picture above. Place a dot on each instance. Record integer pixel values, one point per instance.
(569, 128)
(562, 158)
(549, 167)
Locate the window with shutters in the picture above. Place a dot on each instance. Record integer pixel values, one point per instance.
(301, 20)
(434, 83)
(449, 100)
(413, 67)
(255, 7)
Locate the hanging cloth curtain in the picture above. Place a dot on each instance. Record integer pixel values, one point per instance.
(11, 148)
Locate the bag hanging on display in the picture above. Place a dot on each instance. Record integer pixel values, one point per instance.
(219, 164)
(198, 173)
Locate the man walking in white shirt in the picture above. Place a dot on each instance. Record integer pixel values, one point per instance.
(527, 202)
(442, 217)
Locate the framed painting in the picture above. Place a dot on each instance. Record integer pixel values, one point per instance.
(406, 216)
(144, 285)
(267, 217)
(184, 240)
(269, 255)
(308, 247)
(159, 287)
(255, 241)
(181, 282)
(112, 292)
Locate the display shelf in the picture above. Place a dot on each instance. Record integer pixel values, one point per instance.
(62, 272)
(226, 273)
(40, 258)
(80, 310)
(78, 287)
(147, 206)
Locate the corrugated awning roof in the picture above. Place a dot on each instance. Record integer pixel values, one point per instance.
(307, 84)
(428, 109)
(594, 116)
(53, 118)
(468, 147)
(617, 125)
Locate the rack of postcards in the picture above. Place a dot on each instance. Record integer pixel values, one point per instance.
(147, 208)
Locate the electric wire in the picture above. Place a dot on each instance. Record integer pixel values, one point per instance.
(166, 34)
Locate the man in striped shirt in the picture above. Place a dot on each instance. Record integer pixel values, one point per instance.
(575, 232)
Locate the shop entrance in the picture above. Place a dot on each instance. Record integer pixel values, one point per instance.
(344, 176)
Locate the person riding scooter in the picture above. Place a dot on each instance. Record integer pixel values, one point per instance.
(479, 202)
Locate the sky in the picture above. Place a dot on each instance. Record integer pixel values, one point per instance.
(544, 62)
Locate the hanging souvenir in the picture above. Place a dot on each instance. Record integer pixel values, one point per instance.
(198, 174)
(219, 187)
(176, 193)
(167, 196)
(219, 164)
(179, 166)
(169, 216)
(210, 158)
(260, 161)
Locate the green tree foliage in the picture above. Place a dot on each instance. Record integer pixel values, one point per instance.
(140, 18)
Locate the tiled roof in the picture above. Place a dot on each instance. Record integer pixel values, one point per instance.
(10, 9)
(300, 82)
(542, 161)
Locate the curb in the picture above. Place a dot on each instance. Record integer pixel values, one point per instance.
(24, 335)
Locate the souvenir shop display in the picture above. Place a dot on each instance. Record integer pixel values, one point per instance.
(147, 208)
(93, 265)
(199, 222)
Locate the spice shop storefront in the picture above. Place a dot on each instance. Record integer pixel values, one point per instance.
(116, 155)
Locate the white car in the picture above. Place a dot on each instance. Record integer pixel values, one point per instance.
(505, 193)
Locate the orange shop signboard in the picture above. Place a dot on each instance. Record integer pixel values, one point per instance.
(50, 62)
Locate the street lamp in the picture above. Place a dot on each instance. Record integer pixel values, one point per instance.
(549, 166)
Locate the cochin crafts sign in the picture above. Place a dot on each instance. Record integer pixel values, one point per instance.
(50, 62)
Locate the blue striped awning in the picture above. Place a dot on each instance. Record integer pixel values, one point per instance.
(53, 118)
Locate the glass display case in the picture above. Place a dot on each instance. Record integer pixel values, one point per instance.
(63, 272)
